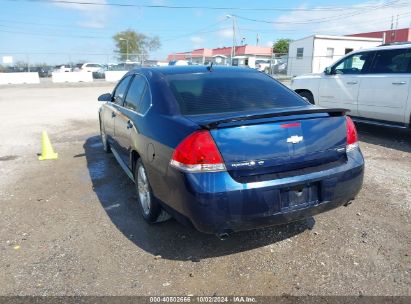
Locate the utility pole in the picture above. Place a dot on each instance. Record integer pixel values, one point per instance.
(396, 28)
(392, 27)
(271, 60)
(232, 17)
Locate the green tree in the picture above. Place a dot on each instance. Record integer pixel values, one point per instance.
(134, 46)
(281, 46)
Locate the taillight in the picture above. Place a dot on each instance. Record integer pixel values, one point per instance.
(352, 137)
(198, 153)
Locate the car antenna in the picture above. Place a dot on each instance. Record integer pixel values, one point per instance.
(210, 67)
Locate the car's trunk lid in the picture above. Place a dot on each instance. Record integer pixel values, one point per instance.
(274, 144)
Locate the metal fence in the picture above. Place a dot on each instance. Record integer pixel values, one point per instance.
(278, 65)
(36, 62)
(282, 65)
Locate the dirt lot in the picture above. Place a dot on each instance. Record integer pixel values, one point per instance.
(71, 226)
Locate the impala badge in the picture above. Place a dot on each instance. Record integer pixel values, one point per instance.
(295, 139)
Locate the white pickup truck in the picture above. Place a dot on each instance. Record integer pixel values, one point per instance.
(374, 84)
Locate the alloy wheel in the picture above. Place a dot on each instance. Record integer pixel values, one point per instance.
(143, 190)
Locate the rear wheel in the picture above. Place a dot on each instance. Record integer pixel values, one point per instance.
(307, 95)
(149, 205)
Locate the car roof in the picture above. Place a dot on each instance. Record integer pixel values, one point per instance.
(191, 69)
(384, 47)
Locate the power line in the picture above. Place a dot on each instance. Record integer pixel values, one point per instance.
(79, 27)
(324, 8)
(405, 14)
(199, 31)
(320, 20)
(51, 25)
(49, 34)
(328, 29)
(202, 30)
(48, 31)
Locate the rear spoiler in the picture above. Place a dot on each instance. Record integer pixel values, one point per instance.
(215, 123)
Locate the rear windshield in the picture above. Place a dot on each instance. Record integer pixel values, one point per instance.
(214, 92)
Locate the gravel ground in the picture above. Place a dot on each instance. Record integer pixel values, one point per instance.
(71, 226)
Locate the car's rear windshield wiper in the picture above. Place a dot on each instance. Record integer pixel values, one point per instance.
(215, 123)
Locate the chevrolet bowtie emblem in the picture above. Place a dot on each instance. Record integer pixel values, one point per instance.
(295, 139)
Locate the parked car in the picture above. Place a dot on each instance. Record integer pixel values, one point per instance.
(280, 67)
(43, 71)
(124, 66)
(100, 73)
(262, 65)
(62, 68)
(14, 69)
(374, 84)
(203, 145)
(179, 62)
(88, 67)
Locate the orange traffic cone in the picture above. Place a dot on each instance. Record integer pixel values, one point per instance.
(47, 151)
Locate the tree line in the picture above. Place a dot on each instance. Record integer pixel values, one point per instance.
(131, 45)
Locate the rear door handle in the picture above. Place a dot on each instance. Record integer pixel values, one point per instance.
(129, 124)
(399, 82)
(352, 82)
(113, 114)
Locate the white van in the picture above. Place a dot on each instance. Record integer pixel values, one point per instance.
(374, 84)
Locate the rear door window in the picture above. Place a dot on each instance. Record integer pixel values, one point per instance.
(120, 90)
(392, 61)
(145, 101)
(135, 93)
(214, 92)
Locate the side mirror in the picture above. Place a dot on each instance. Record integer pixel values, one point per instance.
(327, 71)
(105, 97)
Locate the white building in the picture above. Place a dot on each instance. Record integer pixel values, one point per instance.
(314, 53)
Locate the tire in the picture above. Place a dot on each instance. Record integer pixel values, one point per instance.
(149, 206)
(103, 136)
(308, 95)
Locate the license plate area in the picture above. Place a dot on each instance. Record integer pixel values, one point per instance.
(299, 196)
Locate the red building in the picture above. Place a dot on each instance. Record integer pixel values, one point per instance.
(198, 53)
(389, 36)
(203, 55)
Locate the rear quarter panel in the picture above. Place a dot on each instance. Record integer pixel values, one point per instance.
(155, 141)
(157, 133)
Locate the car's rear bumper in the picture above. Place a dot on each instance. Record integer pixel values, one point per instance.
(216, 203)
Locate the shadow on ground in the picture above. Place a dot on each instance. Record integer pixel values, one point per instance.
(393, 138)
(170, 239)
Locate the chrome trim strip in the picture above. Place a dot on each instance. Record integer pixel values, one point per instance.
(200, 168)
(147, 86)
(122, 164)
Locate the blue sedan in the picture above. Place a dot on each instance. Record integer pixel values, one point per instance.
(227, 149)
